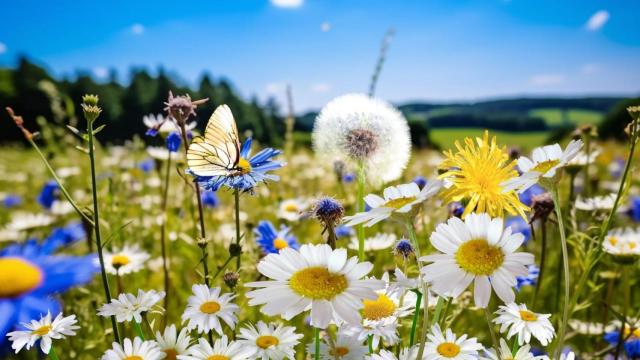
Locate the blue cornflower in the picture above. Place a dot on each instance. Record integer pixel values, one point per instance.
(344, 231)
(48, 194)
(519, 225)
(173, 141)
(529, 280)
(456, 209)
(11, 201)
(421, 181)
(634, 208)
(348, 177)
(147, 165)
(526, 197)
(272, 241)
(64, 236)
(210, 199)
(250, 170)
(631, 344)
(403, 248)
(31, 276)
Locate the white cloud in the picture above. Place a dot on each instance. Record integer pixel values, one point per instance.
(589, 69)
(100, 71)
(287, 3)
(597, 20)
(325, 26)
(547, 79)
(3, 48)
(276, 88)
(320, 87)
(137, 29)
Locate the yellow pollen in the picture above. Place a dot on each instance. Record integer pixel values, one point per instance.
(210, 307)
(133, 357)
(528, 315)
(545, 166)
(42, 330)
(280, 244)
(291, 207)
(218, 357)
(613, 240)
(448, 349)
(632, 245)
(339, 351)
(317, 283)
(399, 202)
(119, 260)
(244, 166)
(17, 277)
(478, 257)
(171, 354)
(378, 309)
(267, 341)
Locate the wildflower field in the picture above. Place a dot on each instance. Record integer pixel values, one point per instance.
(192, 241)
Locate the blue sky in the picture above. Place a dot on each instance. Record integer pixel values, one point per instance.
(443, 49)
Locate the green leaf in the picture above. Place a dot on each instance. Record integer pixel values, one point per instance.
(98, 129)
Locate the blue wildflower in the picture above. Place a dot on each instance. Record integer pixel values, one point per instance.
(48, 194)
(421, 181)
(210, 199)
(344, 231)
(519, 225)
(631, 344)
(529, 280)
(526, 197)
(250, 170)
(456, 209)
(634, 208)
(173, 141)
(272, 241)
(11, 201)
(64, 236)
(147, 165)
(31, 277)
(349, 177)
(403, 248)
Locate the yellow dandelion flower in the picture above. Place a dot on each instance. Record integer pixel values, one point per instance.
(477, 172)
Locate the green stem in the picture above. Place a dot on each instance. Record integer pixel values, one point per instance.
(625, 307)
(416, 315)
(221, 268)
(360, 208)
(370, 343)
(163, 232)
(425, 290)
(52, 354)
(567, 277)
(316, 354)
(543, 256)
(236, 197)
(138, 330)
(96, 227)
(492, 331)
(586, 179)
(436, 314)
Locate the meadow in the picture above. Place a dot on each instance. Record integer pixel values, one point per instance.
(275, 254)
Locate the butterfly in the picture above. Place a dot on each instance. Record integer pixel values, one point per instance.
(217, 153)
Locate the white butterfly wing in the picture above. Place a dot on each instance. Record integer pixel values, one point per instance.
(218, 152)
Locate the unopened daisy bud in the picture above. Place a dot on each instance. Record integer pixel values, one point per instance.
(586, 130)
(328, 210)
(634, 111)
(403, 248)
(542, 206)
(90, 107)
(89, 99)
(231, 279)
(235, 249)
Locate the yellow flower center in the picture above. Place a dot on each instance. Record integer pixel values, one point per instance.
(378, 309)
(317, 283)
(339, 351)
(291, 207)
(627, 332)
(171, 354)
(244, 166)
(133, 357)
(613, 240)
(17, 277)
(218, 357)
(478, 257)
(280, 244)
(528, 315)
(42, 330)
(448, 349)
(399, 202)
(545, 166)
(210, 307)
(119, 260)
(632, 245)
(267, 341)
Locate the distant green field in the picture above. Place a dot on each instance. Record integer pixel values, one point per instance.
(556, 117)
(447, 137)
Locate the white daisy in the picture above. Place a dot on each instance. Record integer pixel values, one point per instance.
(173, 344)
(478, 248)
(123, 261)
(544, 164)
(129, 307)
(388, 304)
(622, 242)
(581, 158)
(596, 203)
(292, 209)
(399, 199)
(206, 307)
(384, 330)
(44, 330)
(10, 235)
(379, 241)
(222, 349)
(61, 207)
(402, 283)
(355, 128)
(518, 320)
(523, 353)
(161, 153)
(159, 123)
(65, 172)
(27, 221)
(405, 354)
(316, 278)
(448, 346)
(344, 347)
(136, 349)
(269, 341)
